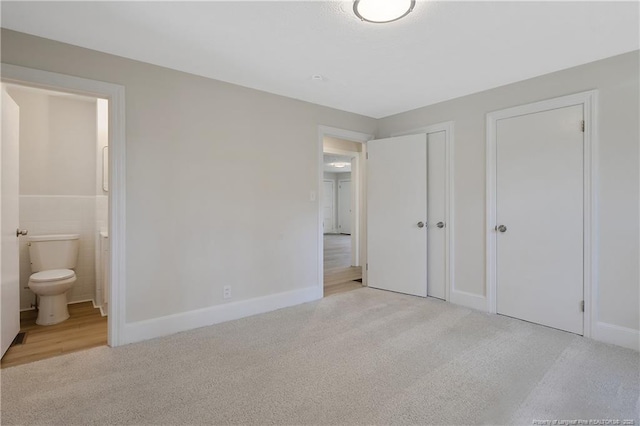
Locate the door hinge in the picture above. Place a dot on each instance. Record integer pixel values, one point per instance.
(582, 306)
(367, 266)
(367, 155)
(582, 126)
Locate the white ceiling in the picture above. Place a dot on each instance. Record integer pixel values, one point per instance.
(442, 50)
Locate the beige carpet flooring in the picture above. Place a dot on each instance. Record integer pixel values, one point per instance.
(361, 357)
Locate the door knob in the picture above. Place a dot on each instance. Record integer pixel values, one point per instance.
(502, 228)
(440, 224)
(21, 232)
(420, 224)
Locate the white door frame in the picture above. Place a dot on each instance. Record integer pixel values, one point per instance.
(446, 127)
(351, 218)
(117, 195)
(333, 209)
(359, 179)
(589, 101)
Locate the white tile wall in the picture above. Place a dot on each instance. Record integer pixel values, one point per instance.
(102, 224)
(102, 212)
(61, 215)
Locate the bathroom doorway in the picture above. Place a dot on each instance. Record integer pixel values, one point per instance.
(63, 193)
(342, 215)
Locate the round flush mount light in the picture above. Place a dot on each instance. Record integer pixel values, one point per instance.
(382, 11)
(339, 164)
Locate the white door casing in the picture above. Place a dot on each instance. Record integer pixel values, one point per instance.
(396, 206)
(436, 215)
(344, 206)
(328, 206)
(117, 330)
(9, 157)
(359, 184)
(588, 101)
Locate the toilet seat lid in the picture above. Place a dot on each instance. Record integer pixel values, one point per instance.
(52, 275)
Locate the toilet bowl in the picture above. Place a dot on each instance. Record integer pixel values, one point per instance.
(51, 287)
(53, 258)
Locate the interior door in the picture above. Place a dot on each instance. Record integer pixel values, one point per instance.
(397, 213)
(328, 200)
(10, 288)
(344, 207)
(539, 211)
(436, 214)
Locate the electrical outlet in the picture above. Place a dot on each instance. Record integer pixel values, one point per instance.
(226, 292)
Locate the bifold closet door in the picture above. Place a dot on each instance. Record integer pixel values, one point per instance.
(397, 214)
(539, 211)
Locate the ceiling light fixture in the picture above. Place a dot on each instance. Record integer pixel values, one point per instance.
(339, 164)
(382, 11)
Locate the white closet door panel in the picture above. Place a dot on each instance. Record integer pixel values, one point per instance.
(396, 202)
(540, 202)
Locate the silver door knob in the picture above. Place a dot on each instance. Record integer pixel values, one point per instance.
(440, 224)
(420, 224)
(21, 232)
(502, 228)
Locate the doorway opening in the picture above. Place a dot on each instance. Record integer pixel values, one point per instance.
(341, 269)
(341, 208)
(62, 186)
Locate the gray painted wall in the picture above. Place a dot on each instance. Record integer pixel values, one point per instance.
(190, 228)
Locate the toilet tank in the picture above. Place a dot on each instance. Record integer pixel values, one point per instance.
(53, 251)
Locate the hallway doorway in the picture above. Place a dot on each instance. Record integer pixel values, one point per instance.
(341, 198)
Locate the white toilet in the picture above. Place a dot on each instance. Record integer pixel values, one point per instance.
(53, 258)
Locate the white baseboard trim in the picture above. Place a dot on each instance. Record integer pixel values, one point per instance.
(93, 302)
(95, 305)
(616, 335)
(470, 300)
(68, 303)
(170, 324)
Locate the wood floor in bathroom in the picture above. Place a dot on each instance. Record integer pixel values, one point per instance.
(85, 329)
